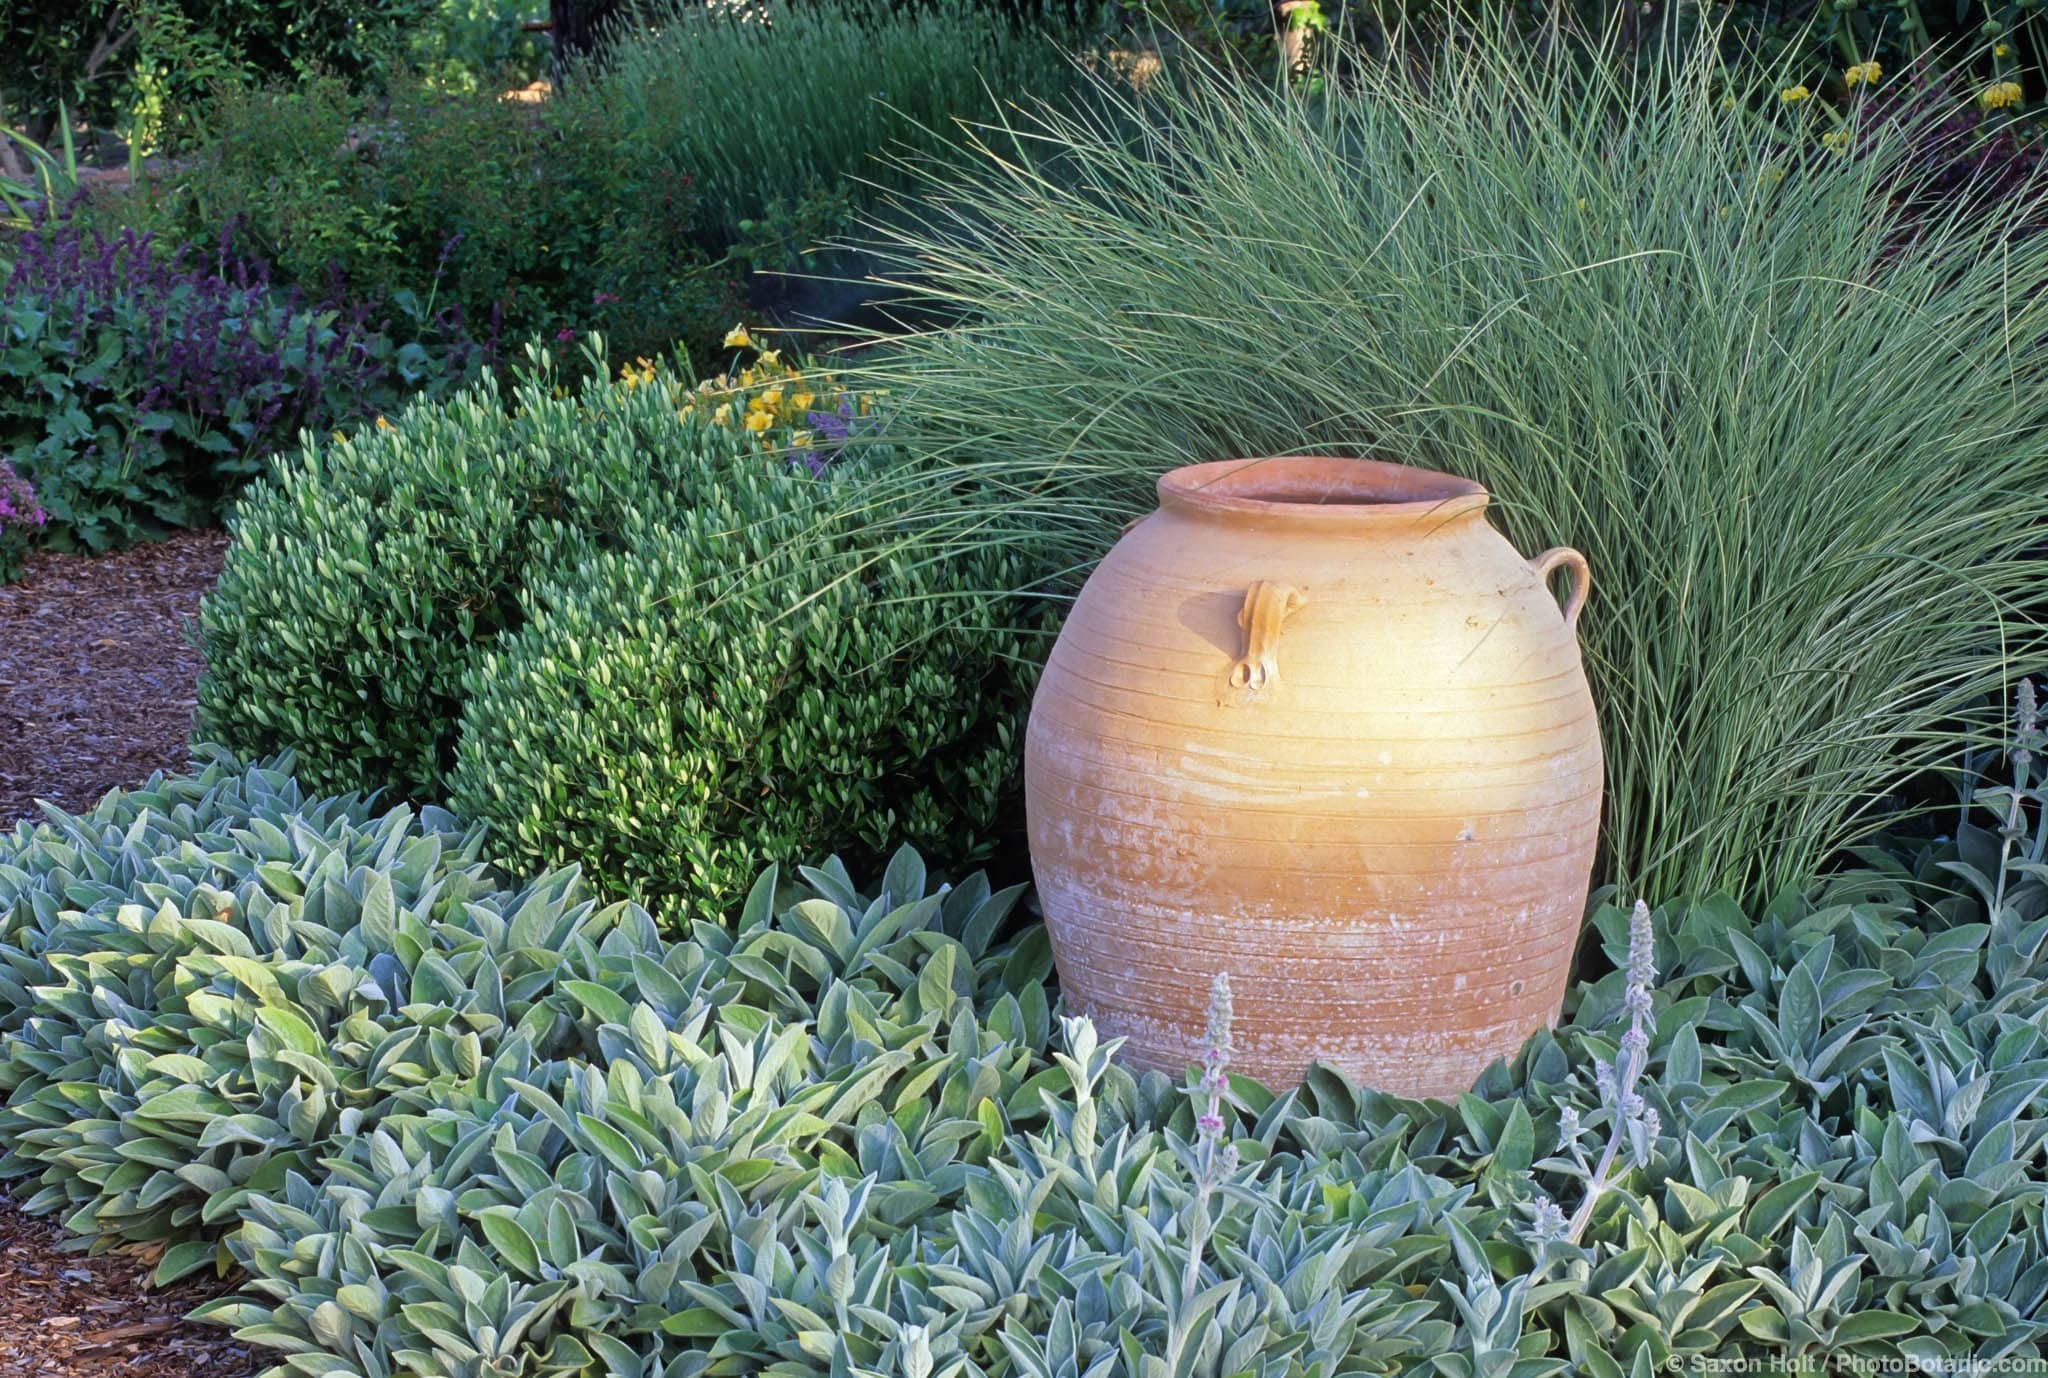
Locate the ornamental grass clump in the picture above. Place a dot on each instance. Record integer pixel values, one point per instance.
(780, 111)
(1797, 420)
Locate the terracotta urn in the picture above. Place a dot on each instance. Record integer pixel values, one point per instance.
(1316, 724)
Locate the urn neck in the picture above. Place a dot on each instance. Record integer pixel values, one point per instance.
(1323, 492)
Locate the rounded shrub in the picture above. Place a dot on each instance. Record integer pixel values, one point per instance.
(362, 582)
(746, 683)
(635, 624)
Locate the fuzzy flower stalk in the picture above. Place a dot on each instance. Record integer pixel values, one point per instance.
(1215, 1162)
(1630, 1118)
(2013, 826)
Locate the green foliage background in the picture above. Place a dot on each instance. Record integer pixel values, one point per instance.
(168, 52)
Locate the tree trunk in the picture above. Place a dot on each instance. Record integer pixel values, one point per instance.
(13, 163)
(578, 29)
(1293, 38)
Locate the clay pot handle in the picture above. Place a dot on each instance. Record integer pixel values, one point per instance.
(1582, 579)
(1266, 605)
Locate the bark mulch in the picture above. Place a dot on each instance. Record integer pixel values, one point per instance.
(63, 1315)
(96, 671)
(96, 690)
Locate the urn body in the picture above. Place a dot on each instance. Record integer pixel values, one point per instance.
(1316, 724)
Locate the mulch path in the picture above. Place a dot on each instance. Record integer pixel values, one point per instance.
(63, 1315)
(96, 670)
(97, 675)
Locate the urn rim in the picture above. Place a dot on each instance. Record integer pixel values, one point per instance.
(1324, 490)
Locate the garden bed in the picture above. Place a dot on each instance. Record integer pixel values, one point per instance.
(465, 1008)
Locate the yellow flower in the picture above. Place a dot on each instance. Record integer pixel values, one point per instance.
(384, 425)
(771, 357)
(2000, 51)
(771, 399)
(1792, 94)
(1582, 203)
(723, 416)
(800, 439)
(1727, 102)
(1865, 72)
(2001, 95)
(802, 401)
(738, 338)
(759, 421)
(1838, 140)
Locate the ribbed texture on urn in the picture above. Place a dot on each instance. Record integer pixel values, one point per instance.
(1316, 724)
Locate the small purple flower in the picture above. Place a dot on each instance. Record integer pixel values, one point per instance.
(1604, 1079)
(18, 509)
(832, 426)
(207, 350)
(1209, 1126)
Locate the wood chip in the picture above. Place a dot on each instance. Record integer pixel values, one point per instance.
(47, 1290)
(97, 673)
(96, 691)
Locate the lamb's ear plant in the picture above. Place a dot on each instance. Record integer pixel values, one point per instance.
(445, 1125)
(291, 988)
(1787, 398)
